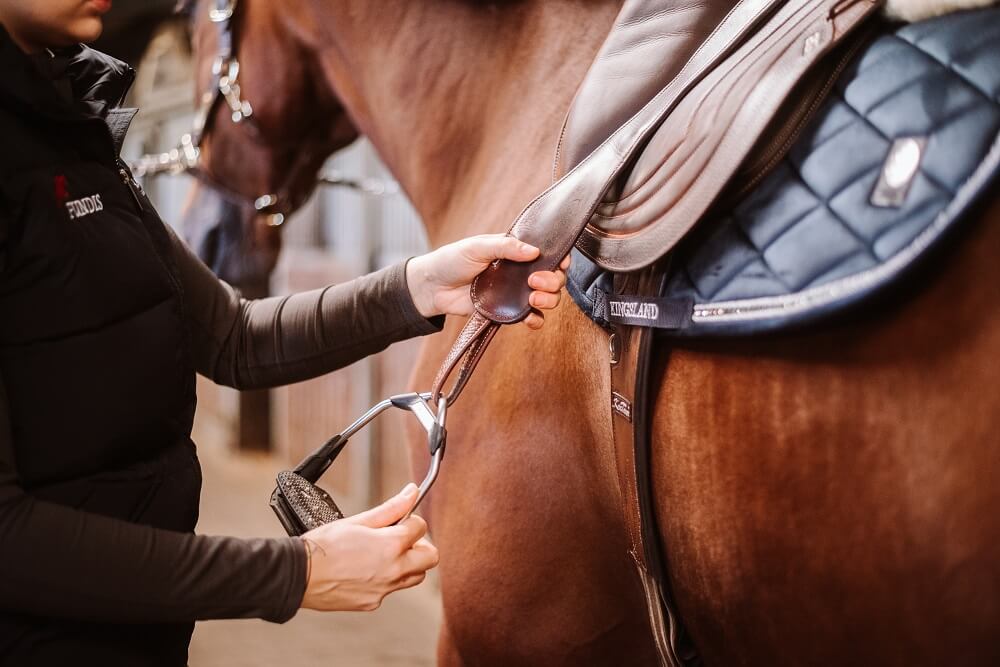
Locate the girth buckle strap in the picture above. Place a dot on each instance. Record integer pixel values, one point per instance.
(631, 422)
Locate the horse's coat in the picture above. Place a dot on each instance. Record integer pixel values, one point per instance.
(823, 498)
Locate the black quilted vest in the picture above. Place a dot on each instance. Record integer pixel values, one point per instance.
(93, 349)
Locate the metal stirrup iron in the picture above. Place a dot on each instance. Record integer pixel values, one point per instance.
(302, 506)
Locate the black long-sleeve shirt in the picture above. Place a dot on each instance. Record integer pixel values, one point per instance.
(57, 561)
(105, 316)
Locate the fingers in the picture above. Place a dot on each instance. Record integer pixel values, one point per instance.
(390, 511)
(547, 281)
(544, 300)
(488, 247)
(424, 543)
(534, 321)
(547, 295)
(409, 532)
(411, 581)
(422, 557)
(415, 563)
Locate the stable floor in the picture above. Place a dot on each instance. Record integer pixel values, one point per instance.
(403, 632)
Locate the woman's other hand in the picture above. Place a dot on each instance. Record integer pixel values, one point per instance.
(357, 561)
(439, 281)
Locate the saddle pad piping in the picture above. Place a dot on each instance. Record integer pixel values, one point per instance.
(768, 313)
(773, 311)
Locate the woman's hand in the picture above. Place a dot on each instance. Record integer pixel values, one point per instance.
(439, 281)
(357, 561)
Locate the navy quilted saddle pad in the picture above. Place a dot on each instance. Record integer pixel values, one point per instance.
(906, 142)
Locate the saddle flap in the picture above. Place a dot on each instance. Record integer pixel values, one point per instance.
(713, 110)
(648, 44)
(697, 152)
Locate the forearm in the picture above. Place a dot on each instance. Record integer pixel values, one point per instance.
(60, 562)
(279, 340)
(288, 339)
(57, 561)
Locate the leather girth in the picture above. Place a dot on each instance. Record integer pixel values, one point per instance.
(631, 349)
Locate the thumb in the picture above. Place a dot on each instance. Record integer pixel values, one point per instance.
(388, 512)
(486, 248)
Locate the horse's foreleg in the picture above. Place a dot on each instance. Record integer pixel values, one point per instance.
(447, 653)
(527, 514)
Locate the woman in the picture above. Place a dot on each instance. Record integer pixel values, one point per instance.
(105, 316)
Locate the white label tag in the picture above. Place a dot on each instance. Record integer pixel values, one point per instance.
(621, 405)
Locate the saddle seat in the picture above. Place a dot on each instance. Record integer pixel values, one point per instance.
(872, 158)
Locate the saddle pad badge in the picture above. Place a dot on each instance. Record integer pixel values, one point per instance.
(621, 406)
(898, 172)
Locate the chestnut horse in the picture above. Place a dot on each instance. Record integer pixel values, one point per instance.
(826, 497)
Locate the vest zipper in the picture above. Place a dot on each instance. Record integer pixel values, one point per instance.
(133, 187)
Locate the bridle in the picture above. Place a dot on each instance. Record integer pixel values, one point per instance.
(224, 85)
(224, 91)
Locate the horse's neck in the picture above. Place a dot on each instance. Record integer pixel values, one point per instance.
(464, 100)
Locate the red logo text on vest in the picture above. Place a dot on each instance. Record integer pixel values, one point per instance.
(61, 191)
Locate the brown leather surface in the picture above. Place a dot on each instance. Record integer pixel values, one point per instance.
(464, 354)
(700, 147)
(630, 381)
(623, 384)
(649, 43)
(555, 218)
(709, 117)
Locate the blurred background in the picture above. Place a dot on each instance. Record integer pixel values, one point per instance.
(246, 438)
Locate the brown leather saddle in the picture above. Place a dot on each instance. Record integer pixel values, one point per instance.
(718, 142)
(711, 113)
